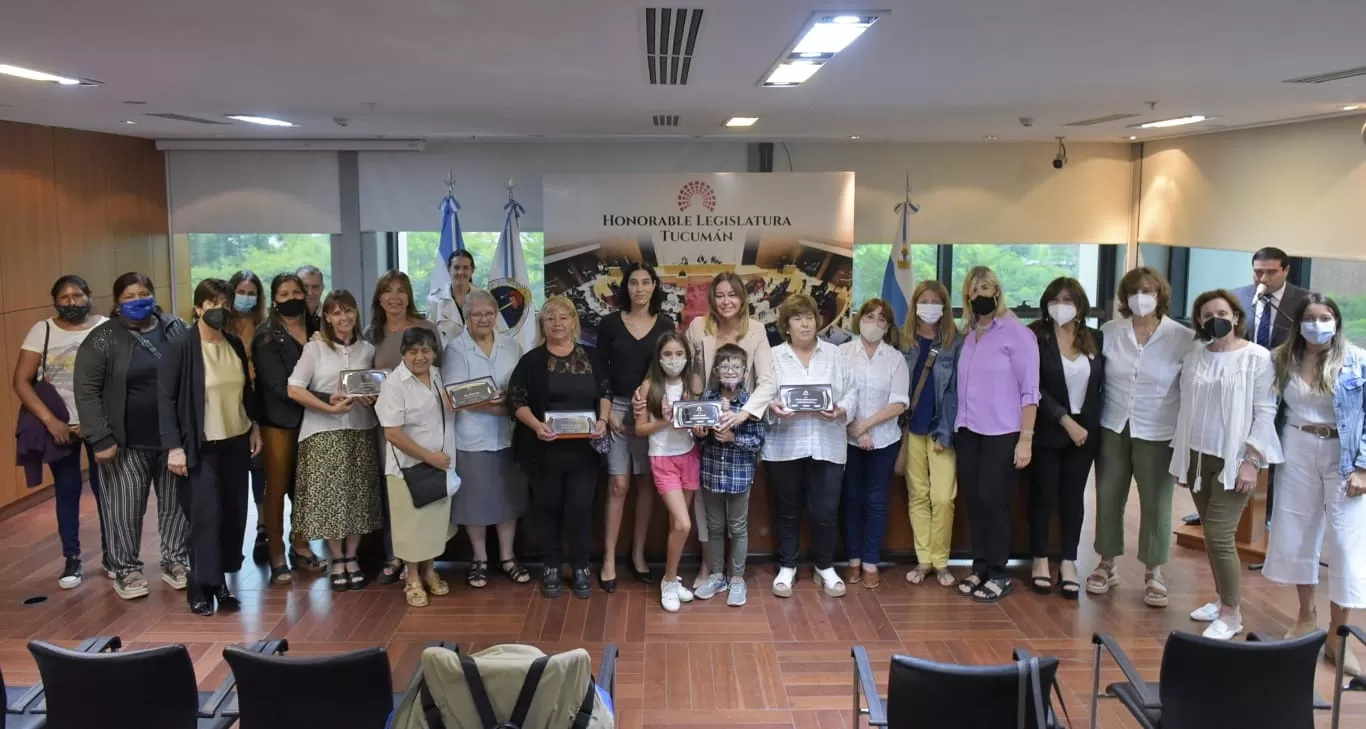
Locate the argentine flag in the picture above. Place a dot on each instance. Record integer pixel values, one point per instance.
(897, 280)
(452, 240)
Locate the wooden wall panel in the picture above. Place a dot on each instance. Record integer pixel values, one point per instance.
(73, 202)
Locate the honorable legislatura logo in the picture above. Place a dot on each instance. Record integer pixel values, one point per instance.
(699, 192)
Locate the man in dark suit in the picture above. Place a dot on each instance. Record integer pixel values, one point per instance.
(1269, 292)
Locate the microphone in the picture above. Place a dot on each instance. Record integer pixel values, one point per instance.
(1264, 297)
(1261, 291)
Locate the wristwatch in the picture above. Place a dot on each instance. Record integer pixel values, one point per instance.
(1254, 461)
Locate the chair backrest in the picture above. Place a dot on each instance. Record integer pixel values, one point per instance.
(1250, 684)
(148, 688)
(923, 693)
(339, 691)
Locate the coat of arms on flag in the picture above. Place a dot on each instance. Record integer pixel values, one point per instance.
(514, 303)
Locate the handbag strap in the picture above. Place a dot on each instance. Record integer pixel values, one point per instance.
(924, 375)
(528, 694)
(585, 713)
(478, 692)
(47, 336)
(430, 711)
(142, 341)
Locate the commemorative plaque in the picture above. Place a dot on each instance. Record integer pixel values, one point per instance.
(361, 383)
(471, 392)
(807, 398)
(572, 423)
(698, 413)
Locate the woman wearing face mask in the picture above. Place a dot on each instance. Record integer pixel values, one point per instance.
(1225, 435)
(1143, 352)
(931, 341)
(209, 431)
(874, 438)
(998, 397)
(44, 381)
(276, 349)
(1321, 377)
(1070, 376)
(115, 385)
(247, 311)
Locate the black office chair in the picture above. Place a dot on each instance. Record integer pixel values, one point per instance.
(344, 691)
(1205, 683)
(136, 690)
(924, 693)
(25, 706)
(1358, 683)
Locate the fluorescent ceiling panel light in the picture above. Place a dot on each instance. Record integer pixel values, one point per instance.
(262, 120)
(793, 73)
(741, 121)
(824, 35)
(1180, 121)
(1351, 107)
(32, 75)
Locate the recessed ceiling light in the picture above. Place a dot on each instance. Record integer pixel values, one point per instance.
(1132, 137)
(990, 137)
(129, 121)
(823, 36)
(32, 75)
(856, 137)
(1351, 107)
(1179, 121)
(262, 120)
(741, 121)
(792, 73)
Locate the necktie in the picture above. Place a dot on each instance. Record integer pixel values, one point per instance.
(1264, 324)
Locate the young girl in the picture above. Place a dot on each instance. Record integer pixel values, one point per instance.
(674, 458)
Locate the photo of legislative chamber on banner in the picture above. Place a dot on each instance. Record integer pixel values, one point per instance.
(781, 233)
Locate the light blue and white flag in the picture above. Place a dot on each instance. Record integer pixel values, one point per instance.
(898, 280)
(509, 281)
(452, 240)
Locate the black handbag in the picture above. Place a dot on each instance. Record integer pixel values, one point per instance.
(426, 483)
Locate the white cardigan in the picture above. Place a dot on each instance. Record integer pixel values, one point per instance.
(1249, 407)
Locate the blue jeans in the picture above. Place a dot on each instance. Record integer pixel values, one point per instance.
(866, 477)
(66, 488)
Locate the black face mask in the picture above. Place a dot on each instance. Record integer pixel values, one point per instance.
(983, 305)
(1216, 328)
(292, 308)
(215, 318)
(74, 314)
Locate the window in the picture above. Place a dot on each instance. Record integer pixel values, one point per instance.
(870, 266)
(1212, 268)
(214, 255)
(417, 257)
(1026, 270)
(1345, 282)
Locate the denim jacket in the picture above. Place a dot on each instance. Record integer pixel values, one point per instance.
(945, 388)
(1349, 405)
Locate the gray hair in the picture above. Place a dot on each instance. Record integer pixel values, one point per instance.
(308, 270)
(476, 296)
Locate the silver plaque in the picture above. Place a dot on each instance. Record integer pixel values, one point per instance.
(361, 383)
(572, 423)
(807, 398)
(698, 413)
(471, 392)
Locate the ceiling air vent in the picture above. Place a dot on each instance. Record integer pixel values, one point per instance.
(1330, 76)
(184, 118)
(1099, 120)
(670, 37)
(666, 120)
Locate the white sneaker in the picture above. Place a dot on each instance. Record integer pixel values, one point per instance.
(668, 595)
(782, 584)
(1207, 613)
(684, 594)
(1221, 630)
(831, 582)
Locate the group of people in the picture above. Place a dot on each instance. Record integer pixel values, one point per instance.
(982, 405)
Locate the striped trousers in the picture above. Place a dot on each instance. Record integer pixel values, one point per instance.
(125, 484)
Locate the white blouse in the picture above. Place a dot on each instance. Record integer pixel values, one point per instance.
(882, 379)
(464, 360)
(1307, 406)
(1242, 383)
(808, 435)
(670, 441)
(1141, 380)
(404, 402)
(319, 369)
(1076, 373)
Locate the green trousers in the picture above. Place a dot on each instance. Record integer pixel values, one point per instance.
(1122, 461)
(1220, 510)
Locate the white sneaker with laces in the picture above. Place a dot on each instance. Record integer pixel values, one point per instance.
(782, 584)
(684, 594)
(1220, 629)
(1207, 613)
(831, 582)
(668, 595)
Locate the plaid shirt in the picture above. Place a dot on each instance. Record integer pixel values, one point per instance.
(728, 468)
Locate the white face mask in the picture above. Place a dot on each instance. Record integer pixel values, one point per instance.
(673, 366)
(1062, 314)
(929, 313)
(1318, 332)
(1142, 304)
(871, 331)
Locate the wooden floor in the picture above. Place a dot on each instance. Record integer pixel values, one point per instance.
(774, 663)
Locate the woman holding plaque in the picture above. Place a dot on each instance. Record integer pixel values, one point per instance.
(998, 397)
(275, 351)
(557, 393)
(337, 483)
(247, 312)
(874, 438)
(806, 449)
(626, 340)
(493, 486)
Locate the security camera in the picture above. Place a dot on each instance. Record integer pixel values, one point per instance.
(1026, 121)
(1060, 159)
(341, 121)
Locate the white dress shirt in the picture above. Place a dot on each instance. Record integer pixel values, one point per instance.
(404, 402)
(881, 380)
(464, 360)
(1260, 309)
(442, 311)
(808, 435)
(1142, 381)
(319, 369)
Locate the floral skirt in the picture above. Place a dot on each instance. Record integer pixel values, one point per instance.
(337, 486)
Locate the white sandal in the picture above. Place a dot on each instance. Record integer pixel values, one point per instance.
(1154, 591)
(1101, 579)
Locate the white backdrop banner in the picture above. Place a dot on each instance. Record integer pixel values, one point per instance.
(782, 233)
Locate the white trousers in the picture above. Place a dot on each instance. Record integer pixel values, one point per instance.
(1311, 495)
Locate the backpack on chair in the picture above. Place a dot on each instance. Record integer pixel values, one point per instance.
(504, 687)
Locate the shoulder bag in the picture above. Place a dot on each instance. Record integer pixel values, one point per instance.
(426, 483)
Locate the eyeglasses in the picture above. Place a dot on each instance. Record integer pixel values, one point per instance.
(729, 369)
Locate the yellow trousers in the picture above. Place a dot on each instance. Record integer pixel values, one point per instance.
(931, 485)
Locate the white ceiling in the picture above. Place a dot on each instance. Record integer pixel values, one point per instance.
(932, 70)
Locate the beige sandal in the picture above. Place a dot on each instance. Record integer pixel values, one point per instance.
(946, 578)
(1154, 591)
(435, 584)
(414, 595)
(918, 575)
(1101, 579)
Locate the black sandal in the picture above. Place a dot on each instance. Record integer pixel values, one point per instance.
(517, 573)
(260, 550)
(339, 580)
(1071, 589)
(478, 574)
(1042, 585)
(308, 562)
(969, 584)
(280, 575)
(993, 590)
(355, 577)
(392, 572)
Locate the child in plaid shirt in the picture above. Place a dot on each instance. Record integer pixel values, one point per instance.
(727, 472)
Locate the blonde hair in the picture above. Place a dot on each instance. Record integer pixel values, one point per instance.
(948, 330)
(976, 274)
(712, 324)
(557, 303)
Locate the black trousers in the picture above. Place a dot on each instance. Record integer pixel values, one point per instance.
(987, 476)
(1057, 483)
(563, 486)
(215, 499)
(815, 485)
